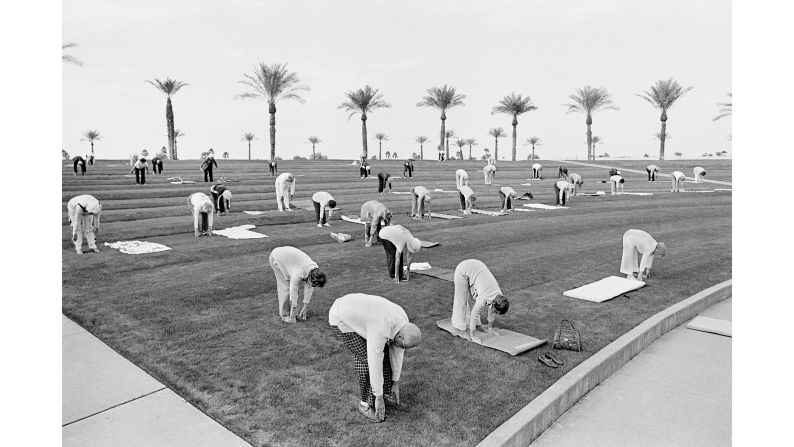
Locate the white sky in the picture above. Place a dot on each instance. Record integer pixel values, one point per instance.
(485, 49)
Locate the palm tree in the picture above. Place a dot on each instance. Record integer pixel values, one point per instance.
(496, 133)
(91, 136)
(596, 140)
(442, 98)
(272, 83)
(249, 136)
(169, 87)
(534, 141)
(421, 139)
(394, 155)
(380, 136)
(363, 101)
(177, 134)
(726, 108)
(68, 57)
(663, 95)
(589, 100)
(388, 155)
(314, 141)
(514, 105)
(448, 134)
(471, 142)
(226, 154)
(460, 144)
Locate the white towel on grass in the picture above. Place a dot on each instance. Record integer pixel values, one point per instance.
(444, 216)
(543, 206)
(254, 213)
(442, 190)
(604, 289)
(522, 209)
(356, 220)
(416, 266)
(722, 189)
(137, 247)
(636, 193)
(489, 213)
(526, 184)
(241, 232)
(400, 192)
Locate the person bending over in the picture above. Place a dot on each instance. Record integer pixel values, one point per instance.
(399, 245)
(377, 332)
(292, 267)
(206, 165)
(221, 199)
(537, 171)
(639, 248)
(408, 168)
(616, 183)
(467, 199)
(562, 173)
(84, 212)
(157, 165)
(273, 168)
(461, 178)
(652, 171)
(202, 209)
(577, 182)
(677, 178)
(140, 167)
(323, 202)
(507, 196)
(475, 289)
(374, 214)
(79, 161)
(384, 180)
(420, 202)
(699, 174)
(562, 190)
(489, 171)
(285, 189)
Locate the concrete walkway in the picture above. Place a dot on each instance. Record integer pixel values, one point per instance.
(676, 392)
(636, 171)
(107, 400)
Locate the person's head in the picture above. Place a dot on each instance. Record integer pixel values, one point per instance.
(428, 198)
(211, 151)
(472, 199)
(316, 278)
(408, 337)
(144, 153)
(414, 244)
(500, 304)
(660, 250)
(387, 218)
(290, 178)
(332, 204)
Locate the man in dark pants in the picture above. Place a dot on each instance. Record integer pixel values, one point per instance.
(221, 199)
(652, 171)
(157, 165)
(384, 179)
(399, 245)
(273, 167)
(206, 166)
(91, 160)
(78, 160)
(408, 168)
(140, 167)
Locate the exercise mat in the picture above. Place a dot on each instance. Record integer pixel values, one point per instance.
(604, 289)
(507, 341)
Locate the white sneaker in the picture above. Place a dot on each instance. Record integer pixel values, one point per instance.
(319, 225)
(326, 224)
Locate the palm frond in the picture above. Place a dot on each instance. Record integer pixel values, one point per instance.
(273, 83)
(535, 141)
(169, 86)
(496, 132)
(314, 140)
(726, 108)
(381, 136)
(664, 93)
(514, 105)
(68, 57)
(441, 98)
(588, 100)
(363, 101)
(248, 136)
(91, 135)
(421, 139)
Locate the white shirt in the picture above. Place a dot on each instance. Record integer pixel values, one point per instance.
(467, 192)
(422, 193)
(489, 168)
(576, 179)
(377, 320)
(643, 243)
(89, 202)
(201, 202)
(374, 211)
(698, 170)
(678, 175)
(400, 237)
(652, 168)
(562, 185)
(508, 191)
(462, 174)
(616, 179)
(322, 198)
(295, 265)
(537, 166)
(482, 286)
(284, 184)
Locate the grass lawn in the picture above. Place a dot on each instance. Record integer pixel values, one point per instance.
(203, 319)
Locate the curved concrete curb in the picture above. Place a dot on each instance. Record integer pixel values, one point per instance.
(526, 425)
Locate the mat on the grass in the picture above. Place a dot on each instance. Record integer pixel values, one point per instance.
(444, 216)
(543, 206)
(507, 341)
(489, 213)
(711, 325)
(437, 272)
(356, 220)
(604, 289)
(302, 204)
(240, 232)
(137, 247)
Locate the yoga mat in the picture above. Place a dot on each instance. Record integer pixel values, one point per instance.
(636, 193)
(507, 341)
(302, 204)
(356, 220)
(604, 289)
(254, 213)
(522, 209)
(241, 232)
(437, 272)
(489, 213)
(444, 216)
(137, 247)
(441, 190)
(417, 266)
(428, 244)
(592, 194)
(711, 325)
(542, 206)
(526, 184)
(400, 192)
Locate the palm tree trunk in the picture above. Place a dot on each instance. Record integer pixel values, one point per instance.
(533, 152)
(380, 143)
(443, 133)
(589, 142)
(496, 148)
(249, 150)
(92, 147)
(272, 110)
(421, 152)
(169, 122)
(515, 134)
(470, 152)
(364, 135)
(314, 157)
(663, 136)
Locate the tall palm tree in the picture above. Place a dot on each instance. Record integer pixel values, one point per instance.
(91, 136)
(460, 144)
(249, 136)
(363, 101)
(496, 133)
(314, 141)
(226, 154)
(177, 134)
(663, 95)
(448, 134)
(589, 100)
(442, 98)
(394, 155)
(596, 140)
(726, 108)
(534, 141)
(68, 57)
(273, 83)
(169, 87)
(380, 136)
(471, 142)
(421, 139)
(514, 105)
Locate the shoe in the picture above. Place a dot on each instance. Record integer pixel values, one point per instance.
(95, 250)
(326, 224)
(554, 358)
(368, 412)
(79, 251)
(546, 361)
(319, 225)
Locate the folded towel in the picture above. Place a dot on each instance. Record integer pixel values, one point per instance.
(416, 266)
(542, 206)
(241, 232)
(137, 247)
(254, 213)
(356, 220)
(444, 216)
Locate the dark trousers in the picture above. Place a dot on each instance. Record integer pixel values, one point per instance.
(157, 167)
(462, 201)
(82, 167)
(358, 346)
(651, 175)
(208, 174)
(362, 171)
(91, 161)
(140, 176)
(391, 250)
(205, 223)
(557, 200)
(317, 213)
(219, 205)
(273, 169)
(408, 170)
(368, 228)
(382, 182)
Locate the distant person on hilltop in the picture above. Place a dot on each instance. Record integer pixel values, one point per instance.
(273, 167)
(639, 248)
(157, 164)
(91, 160)
(84, 212)
(488, 171)
(537, 171)
(221, 199)
(374, 214)
(140, 167)
(652, 171)
(285, 189)
(699, 174)
(408, 168)
(363, 169)
(562, 172)
(79, 161)
(206, 165)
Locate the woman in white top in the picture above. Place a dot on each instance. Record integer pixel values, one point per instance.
(488, 171)
(285, 189)
(699, 174)
(292, 268)
(507, 196)
(639, 248)
(475, 289)
(577, 182)
(467, 199)
(616, 184)
(562, 190)
(399, 245)
(652, 171)
(420, 202)
(84, 212)
(537, 171)
(203, 213)
(323, 202)
(461, 178)
(677, 178)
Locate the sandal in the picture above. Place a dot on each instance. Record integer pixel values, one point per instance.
(546, 361)
(554, 358)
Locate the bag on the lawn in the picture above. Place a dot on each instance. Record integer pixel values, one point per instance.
(567, 338)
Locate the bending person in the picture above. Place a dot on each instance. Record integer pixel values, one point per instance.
(202, 209)
(420, 202)
(616, 183)
(84, 212)
(157, 165)
(507, 196)
(323, 202)
(78, 160)
(562, 173)
(577, 182)
(399, 245)
(489, 171)
(273, 168)
(221, 199)
(467, 199)
(537, 171)
(374, 214)
(652, 171)
(475, 289)
(562, 190)
(140, 167)
(377, 332)
(677, 178)
(292, 268)
(699, 174)
(285, 189)
(384, 179)
(639, 248)
(461, 178)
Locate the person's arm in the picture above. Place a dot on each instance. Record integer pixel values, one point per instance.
(645, 265)
(397, 255)
(196, 219)
(491, 318)
(376, 218)
(308, 290)
(294, 284)
(210, 216)
(322, 210)
(214, 162)
(475, 311)
(396, 355)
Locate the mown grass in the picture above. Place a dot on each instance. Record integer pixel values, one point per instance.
(202, 317)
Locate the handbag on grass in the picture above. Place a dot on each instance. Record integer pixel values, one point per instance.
(567, 338)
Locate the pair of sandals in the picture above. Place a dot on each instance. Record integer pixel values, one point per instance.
(550, 360)
(369, 412)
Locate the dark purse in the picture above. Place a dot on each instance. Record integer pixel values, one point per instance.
(567, 339)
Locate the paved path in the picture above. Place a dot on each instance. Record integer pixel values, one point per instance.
(107, 401)
(593, 165)
(676, 392)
